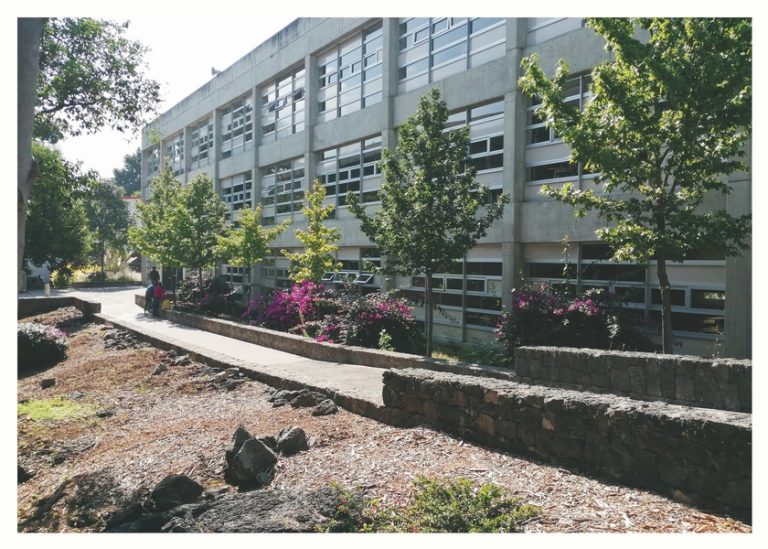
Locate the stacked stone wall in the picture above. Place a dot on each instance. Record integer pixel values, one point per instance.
(725, 384)
(695, 455)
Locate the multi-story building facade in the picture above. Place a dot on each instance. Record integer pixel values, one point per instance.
(323, 97)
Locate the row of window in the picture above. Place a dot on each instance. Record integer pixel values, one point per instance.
(433, 48)
(351, 74)
(350, 78)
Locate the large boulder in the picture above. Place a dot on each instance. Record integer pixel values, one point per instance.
(175, 490)
(292, 440)
(243, 512)
(252, 465)
(325, 408)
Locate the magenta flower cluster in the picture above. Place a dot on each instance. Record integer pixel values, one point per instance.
(539, 316)
(287, 309)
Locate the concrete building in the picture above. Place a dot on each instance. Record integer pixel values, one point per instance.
(322, 97)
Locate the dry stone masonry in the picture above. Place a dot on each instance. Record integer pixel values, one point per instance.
(695, 455)
(725, 384)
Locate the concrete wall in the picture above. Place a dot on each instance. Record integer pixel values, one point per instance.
(723, 384)
(698, 456)
(38, 305)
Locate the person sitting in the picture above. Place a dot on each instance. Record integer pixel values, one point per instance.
(158, 294)
(148, 297)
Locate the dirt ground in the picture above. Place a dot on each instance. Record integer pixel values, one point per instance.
(85, 470)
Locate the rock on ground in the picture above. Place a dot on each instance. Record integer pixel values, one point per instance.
(175, 490)
(244, 512)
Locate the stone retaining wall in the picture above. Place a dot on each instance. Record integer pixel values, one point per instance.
(695, 455)
(37, 305)
(329, 352)
(725, 384)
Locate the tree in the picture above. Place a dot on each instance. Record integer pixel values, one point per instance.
(30, 31)
(75, 75)
(129, 176)
(91, 76)
(319, 248)
(430, 206)
(108, 219)
(180, 227)
(248, 243)
(668, 119)
(57, 229)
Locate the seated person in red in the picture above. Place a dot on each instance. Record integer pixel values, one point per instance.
(157, 297)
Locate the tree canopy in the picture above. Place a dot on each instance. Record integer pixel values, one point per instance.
(91, 77)
(108, 219)
(57, 227)
(319, 241)
(248, 242)
(668, 119)
(432, 208)
(129, 176)
(180, 226)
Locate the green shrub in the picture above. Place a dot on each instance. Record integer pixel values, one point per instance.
(450, 506)
(460, 506)
(62, 277)
(39, 346)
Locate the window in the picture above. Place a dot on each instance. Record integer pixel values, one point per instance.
(236, 275)
(236, 192)
(282, 187)
(350, 74)
(349, 168)
(553, 170)
(283, 105)
(576, 91)
(201, 141)
(152, 160)
(174, 153)
(236, 126)
(431, 49)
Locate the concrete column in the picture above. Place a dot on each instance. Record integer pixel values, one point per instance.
(187, 136)
(255, 172)
(389, 93)
(216, 148)
(514, 163)
(311, 107)
(738, 273)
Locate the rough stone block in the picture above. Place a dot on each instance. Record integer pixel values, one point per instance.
(619, 380)
(706, 387)
(672, 473)
(548, 421)
(737, 493)
(491, 396)
(411, 404)
(685, 389)
(568, 448)
(637, 380)
(430, 410)
(457, 397)
(668, 378)
(730, 398)
(506, 429)
(485, 424)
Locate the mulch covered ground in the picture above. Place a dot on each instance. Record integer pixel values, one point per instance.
(85, 470)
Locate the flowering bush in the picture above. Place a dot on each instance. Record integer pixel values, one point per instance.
(289, 310)
(363, 320)
(539, 316)
(39, 346)
(214, 296)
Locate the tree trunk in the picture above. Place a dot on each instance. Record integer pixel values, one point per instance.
(666, 305)
(103, 260)
(428, 312)
(30, 32)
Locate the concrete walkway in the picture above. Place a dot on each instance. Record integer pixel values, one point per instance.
(355, 387)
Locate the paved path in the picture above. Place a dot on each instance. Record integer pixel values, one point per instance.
(361, 383)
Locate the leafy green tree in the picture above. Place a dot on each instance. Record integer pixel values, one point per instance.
(180, 226)
(431, 203)
(91, 76)
(129, 176)
(319, 241)
(248, 242)
(668, 118)
(75, 75)
(57, 228)
(108, 219)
